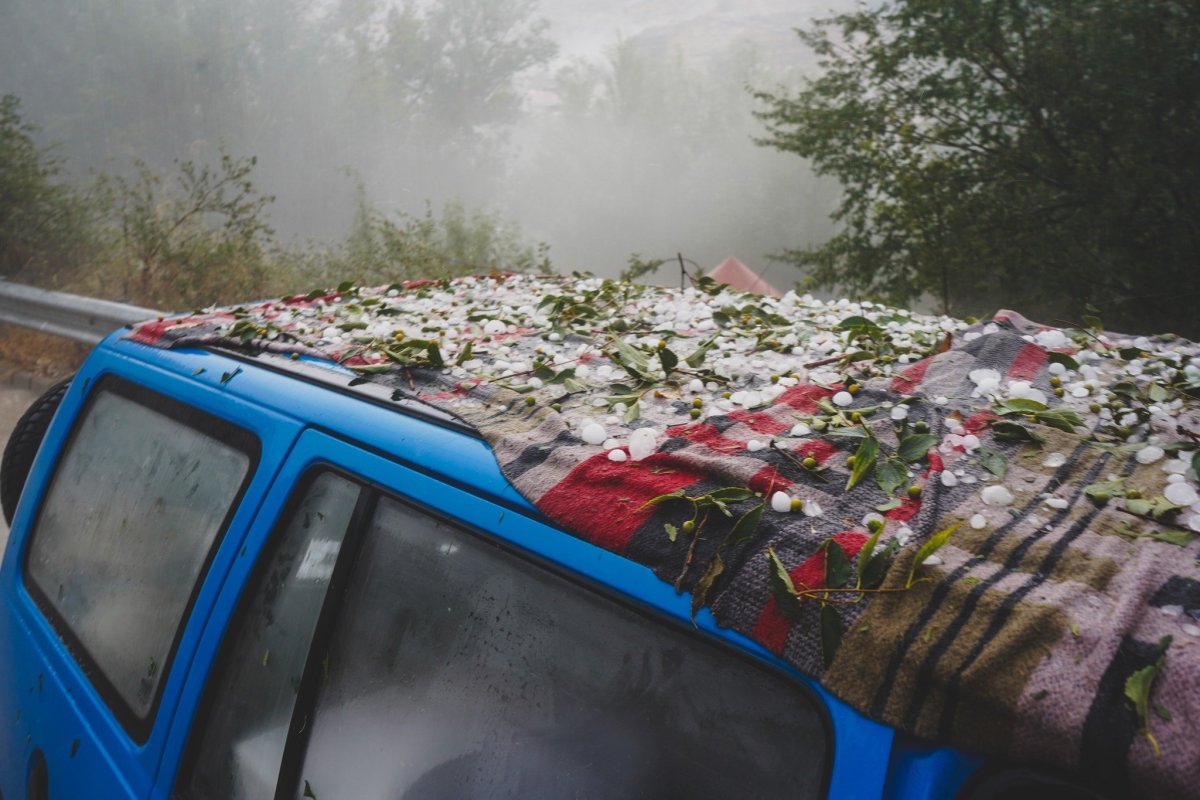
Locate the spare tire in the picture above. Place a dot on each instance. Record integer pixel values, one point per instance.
(23, 445)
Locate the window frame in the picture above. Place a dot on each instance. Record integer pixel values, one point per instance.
(242, 439)
(363, 508)
(296, 746)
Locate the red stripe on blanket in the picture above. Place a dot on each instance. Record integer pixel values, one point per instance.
(977, 422)
(772, 627)
(818, 449)
(150, 332)
(767, 480)
(759, 422)
(804, 397)
(707, 435)
(1027, 363)
(908, 508)
(603, 500)
(908, 380)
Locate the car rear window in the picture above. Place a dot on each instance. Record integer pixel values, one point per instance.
(456, 668)
(126, 529)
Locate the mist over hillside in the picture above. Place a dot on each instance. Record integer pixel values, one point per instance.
(602, 130)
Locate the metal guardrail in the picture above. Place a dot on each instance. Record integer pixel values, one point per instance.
(84, 319)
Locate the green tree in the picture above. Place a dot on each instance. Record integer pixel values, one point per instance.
(45, 225)
(382, 248)
(200, 239)
(1032, 153)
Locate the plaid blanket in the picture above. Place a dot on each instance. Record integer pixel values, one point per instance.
(983, 534)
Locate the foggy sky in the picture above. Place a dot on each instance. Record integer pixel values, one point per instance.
(636, 136)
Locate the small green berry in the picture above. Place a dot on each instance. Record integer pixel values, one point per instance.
(556, 406)
(850, 461)
(797, 504)
(774, 379)
(914, 491)
(1094, 408)
(1055, 380)
(852, 388)
(530, 401)
(875, 525)
(921, 426)
(694, 413)
(697, 403)
(1133, 494)
(726, 395)
(809, 462)
(1059, 391)
(688, 526)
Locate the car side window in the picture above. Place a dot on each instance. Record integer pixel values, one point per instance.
(138, 499)
(238, 738)
(455, 668)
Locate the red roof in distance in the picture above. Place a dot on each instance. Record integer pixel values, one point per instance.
(739, 276)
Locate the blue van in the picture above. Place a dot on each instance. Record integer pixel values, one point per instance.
(238, 577)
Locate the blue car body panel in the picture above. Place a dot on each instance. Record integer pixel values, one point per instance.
(436, 466)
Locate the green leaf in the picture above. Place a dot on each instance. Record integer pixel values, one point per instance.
(1061, 418)
(1155, 507)
(1161, 711)
(831, 633)
(865, 555)
(465, 354)
(1019, 405)
(632, 413)
(633, 360)
(1196, 462)
(434, 354)
(1062, 358)
(696, 359)
(1157, 393)
(721, 319)
(895, 502)
(858, 355)
(1139, 686)
(837, 566)
(891, 475)
(864, 461)
(993, 461)
(929, 548)
(731, 494)
(672, 531)
(342, 288)
(308, 790)
(678, 494)
(916, 446)
(226, 377)
(877, 567)
(1103, 491)
(745, 527)
(1006, 431)
(668, 359)
(782, 588)
(848, 433)
(704, 585)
